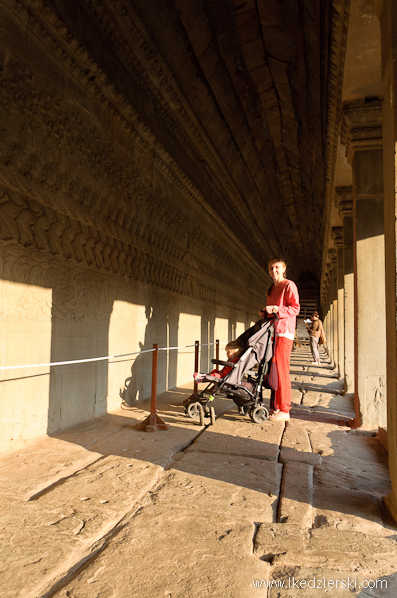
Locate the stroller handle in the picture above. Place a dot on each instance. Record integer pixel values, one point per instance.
(226, 363)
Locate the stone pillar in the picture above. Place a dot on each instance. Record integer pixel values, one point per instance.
(334, 303)
(337, 235)
(324, 309)
(388, 22)
(362, 135)
(344, 200)
(328, 311)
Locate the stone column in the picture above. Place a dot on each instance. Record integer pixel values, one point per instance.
(328, 312)
(324, 308)
(388, 22)
(334, 303)
(344, 199)
(337, 236)
(362, 135)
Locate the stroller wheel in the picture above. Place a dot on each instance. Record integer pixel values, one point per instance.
(259, 414)
(212, 415)
(193, 410)
(201, 414)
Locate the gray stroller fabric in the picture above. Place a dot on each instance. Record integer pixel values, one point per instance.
(260, 349)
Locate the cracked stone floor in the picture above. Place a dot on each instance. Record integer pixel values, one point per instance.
(237, 509)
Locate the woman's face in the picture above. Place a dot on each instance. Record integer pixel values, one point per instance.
(277, 270)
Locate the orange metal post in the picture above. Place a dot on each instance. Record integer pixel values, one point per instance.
(153, 422)
(196, 361)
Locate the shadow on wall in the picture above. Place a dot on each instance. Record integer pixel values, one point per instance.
(175, 366)
(55, 311)
(163, 332)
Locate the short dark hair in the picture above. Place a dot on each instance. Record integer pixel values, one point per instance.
(235, 346)
(275, 259)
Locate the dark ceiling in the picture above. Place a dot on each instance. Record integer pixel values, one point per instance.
(236, 92)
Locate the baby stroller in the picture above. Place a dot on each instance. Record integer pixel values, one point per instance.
(243, 384)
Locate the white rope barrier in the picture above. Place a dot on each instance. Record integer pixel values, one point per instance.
(55, 363)
(42, 365)
(169, 348)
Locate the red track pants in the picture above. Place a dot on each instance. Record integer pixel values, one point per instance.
(283, 357)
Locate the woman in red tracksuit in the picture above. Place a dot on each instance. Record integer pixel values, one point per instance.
(282, 299)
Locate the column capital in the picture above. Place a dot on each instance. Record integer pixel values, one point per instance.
(337, 236)
(344, 200)
(361, 127)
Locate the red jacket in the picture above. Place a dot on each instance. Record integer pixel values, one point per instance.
(286, 296)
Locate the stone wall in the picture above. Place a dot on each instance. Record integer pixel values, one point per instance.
(106, 245)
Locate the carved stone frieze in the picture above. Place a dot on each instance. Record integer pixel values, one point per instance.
(41, 18)
(25, 222)
(59, 209)
(78, 192)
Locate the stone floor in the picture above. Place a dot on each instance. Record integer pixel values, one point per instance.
(233, 510)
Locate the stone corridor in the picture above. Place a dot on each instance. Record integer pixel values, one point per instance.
(233, 510)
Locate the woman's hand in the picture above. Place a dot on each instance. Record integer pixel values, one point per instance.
(271, 309)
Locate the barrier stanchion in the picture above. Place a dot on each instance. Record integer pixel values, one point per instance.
(217, 352)
(196, 362)
(153, 422)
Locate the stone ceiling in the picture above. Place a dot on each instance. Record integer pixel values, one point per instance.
(243, 95)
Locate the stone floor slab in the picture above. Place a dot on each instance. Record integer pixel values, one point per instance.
(296, 437)
(115, 512)
(340, 550)
(174, 554)
(340, 405)
(27, 472)
(310, 399)
(347, 509)
(272, 541)
(45, 461)
(47, 536)
(238, 486)
(288, 455)
(297, 495)
(237, 435)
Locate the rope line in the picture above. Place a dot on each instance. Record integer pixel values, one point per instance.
(55, 363)
(169, 348)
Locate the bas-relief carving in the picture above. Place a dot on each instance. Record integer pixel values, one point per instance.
(111, 230)
(75, 294)
(375, 401)
(65, 227)
(141, 57)
(61, 237)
